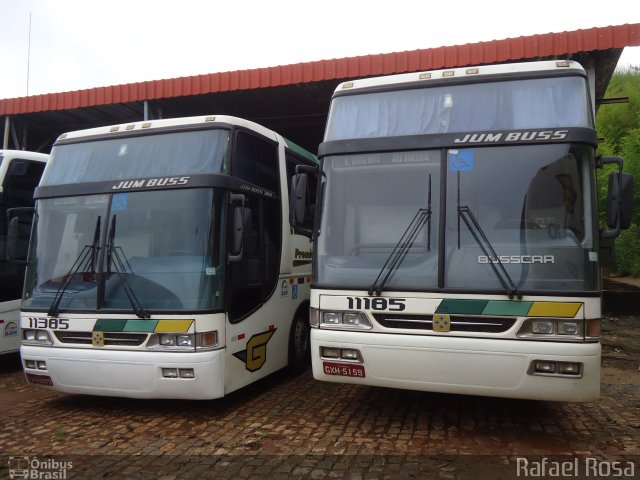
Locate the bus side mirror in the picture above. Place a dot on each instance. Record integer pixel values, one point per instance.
(298, 203)
(620, 200)
(301, 209)
(241, 226)
(16, 250)
(12, 239)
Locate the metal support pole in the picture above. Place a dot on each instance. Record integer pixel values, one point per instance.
(25, 131)
(7, 126)
(146, 110)
(14, 135)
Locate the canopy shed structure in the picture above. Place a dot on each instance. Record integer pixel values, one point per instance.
(290, 99)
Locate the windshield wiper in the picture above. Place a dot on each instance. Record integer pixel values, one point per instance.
(116, 256)
(400, 251)
(85, 262)
(483, 242)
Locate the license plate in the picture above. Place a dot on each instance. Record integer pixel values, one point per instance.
(39, 379)
(344, 370)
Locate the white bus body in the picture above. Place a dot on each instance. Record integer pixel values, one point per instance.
(162, 263)
(457, 243)
(20, 172)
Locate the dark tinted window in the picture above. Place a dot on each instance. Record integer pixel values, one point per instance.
(256, 161)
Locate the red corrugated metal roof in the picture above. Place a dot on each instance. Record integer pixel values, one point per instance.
(495, 51)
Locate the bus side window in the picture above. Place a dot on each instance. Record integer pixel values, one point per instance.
(254, 277)
(22, 178)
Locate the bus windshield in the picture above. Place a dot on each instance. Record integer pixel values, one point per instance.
(150, 155)
(525, 208)
(514, 104)
(166, 246)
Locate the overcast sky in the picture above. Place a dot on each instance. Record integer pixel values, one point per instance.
(78, 44)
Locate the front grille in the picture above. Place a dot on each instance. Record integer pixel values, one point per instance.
(110, 338)
(458, 323)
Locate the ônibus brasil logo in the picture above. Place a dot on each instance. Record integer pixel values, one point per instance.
(34, 468)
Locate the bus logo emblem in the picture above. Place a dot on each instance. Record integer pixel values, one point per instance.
(97, 339)
(255, 356)
(441, 323)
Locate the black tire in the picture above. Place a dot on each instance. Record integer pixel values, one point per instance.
(299, 344)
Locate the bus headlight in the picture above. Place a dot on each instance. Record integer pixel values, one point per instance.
(167, 340)
(559, 329)
(541, 327)
(568, 328)
(331, 318)
(36, 337)
(346, 320)
(184, 341)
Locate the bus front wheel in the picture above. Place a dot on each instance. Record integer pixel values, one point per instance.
(299, 343)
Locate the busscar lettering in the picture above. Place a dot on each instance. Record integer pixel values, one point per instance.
(151, 183)
(520, 136)
(523, 259)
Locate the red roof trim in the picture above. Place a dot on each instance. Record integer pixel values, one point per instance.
(510, 49)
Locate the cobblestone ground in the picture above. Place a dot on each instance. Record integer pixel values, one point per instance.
(286, 427)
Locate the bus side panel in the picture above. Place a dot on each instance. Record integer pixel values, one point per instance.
(258, 345)
(9, 326)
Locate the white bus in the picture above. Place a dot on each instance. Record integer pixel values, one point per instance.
(20, 172)
(457, 248)
(162, 262)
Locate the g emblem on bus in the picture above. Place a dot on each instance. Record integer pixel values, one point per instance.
(255, 356)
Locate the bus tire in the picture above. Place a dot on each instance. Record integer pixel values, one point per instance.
(299, 343)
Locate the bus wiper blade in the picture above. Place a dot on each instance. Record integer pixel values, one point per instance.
(117, 258)
(481, 239)
(85, 262)
(401, 250)
(407, 239)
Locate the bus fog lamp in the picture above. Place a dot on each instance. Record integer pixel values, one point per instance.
(329, 352)
(544, 327)
(545, 367)
(30, 335)
(568, 328)
(350, 354)
(30, 363)
(568, 368)
(170, 372)
(186, 373)
(41, 364)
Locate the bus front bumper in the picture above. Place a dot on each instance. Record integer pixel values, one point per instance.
(459, 365)
(120, 373)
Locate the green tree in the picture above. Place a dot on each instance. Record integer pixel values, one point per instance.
(619, 126)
